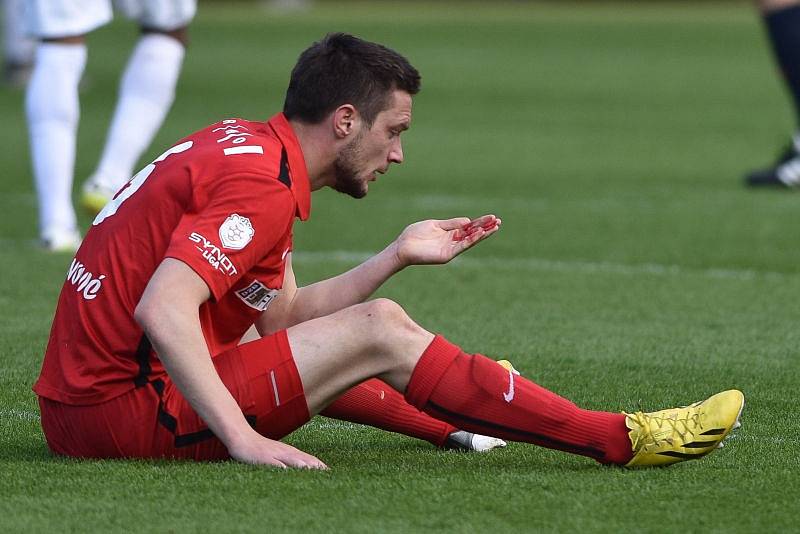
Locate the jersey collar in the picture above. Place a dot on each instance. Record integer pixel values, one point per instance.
(297, 164)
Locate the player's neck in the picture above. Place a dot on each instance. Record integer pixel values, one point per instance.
(318, 153)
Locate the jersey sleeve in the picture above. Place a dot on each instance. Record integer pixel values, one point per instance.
(240, 221)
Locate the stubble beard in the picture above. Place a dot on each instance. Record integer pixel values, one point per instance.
(345, 169)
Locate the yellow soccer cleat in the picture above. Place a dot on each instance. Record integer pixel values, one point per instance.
(505, 364)
(688, 433)
(94, 197)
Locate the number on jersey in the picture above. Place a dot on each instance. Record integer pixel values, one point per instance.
(136, 182)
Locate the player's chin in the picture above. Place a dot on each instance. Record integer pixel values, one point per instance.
(361, 188)
(355, 192)
(353, 187)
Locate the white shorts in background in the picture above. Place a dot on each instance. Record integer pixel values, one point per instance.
(68, 18)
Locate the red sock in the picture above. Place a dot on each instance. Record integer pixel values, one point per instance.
(476, 394)
(377, 404)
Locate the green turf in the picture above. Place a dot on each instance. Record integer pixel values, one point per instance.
(633, 269)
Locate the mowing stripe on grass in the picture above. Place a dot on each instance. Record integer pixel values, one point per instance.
(542, 264)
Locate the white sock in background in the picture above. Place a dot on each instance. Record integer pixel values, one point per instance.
(146, 93)
(52, 108)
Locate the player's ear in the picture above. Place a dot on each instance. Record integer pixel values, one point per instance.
(346, 121)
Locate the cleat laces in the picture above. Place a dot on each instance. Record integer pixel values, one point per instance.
(658, 427)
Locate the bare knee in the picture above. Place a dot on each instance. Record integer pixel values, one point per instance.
(387, 318)
(385, 310)
(372, 339)
(393, 338)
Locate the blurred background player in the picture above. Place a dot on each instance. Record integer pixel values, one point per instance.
(147, 89)
(18, 48)
(782, 20)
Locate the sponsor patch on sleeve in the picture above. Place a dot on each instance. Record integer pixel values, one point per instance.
(257, 295)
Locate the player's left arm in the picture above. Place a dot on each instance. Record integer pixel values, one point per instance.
(423, 243)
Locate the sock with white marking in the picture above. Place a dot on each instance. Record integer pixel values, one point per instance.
(146, 93)
(476, 394)
(52, 109)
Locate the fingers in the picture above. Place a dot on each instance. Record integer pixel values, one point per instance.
(265, 451)
(475, 236)
(304, 464)
(476, 229)
(453, 224)
(299, 459)
(296, 461)
(311, 462)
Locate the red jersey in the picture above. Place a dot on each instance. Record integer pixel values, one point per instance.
(223, 201)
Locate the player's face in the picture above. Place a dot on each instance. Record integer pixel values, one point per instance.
(372, 150)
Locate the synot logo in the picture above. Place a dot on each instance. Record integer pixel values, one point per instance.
(213, 255)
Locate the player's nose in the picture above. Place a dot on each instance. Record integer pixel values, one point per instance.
(396, 154)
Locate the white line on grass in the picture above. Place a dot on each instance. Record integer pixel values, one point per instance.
(541, 264)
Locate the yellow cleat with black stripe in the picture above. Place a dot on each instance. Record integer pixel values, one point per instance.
(670, 436)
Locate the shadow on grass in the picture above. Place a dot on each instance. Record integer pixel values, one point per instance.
(354, 448)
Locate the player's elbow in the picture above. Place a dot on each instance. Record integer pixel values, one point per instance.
(147, 313)
(142, 315)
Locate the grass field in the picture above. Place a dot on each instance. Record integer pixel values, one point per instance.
(633, 270)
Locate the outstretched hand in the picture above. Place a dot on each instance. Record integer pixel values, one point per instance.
(435, 242)
(257, 449)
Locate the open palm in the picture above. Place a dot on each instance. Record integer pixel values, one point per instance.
(435, 241)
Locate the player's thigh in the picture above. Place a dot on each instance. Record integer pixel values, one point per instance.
(50, 19)
(162, 15)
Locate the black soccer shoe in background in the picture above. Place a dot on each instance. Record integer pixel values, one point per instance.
(785, 173)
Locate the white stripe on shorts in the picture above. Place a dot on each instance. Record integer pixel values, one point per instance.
(274, 388)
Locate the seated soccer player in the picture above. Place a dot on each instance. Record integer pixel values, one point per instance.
(144, 357)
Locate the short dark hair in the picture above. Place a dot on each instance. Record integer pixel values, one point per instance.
(343, 69)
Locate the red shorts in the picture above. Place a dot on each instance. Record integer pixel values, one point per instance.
(155, 421)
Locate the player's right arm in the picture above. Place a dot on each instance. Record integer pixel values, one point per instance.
(168, 314)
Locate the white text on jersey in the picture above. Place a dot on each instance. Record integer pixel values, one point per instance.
(257, 295)
(211, 252)
(236, 134)
(84, 281)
